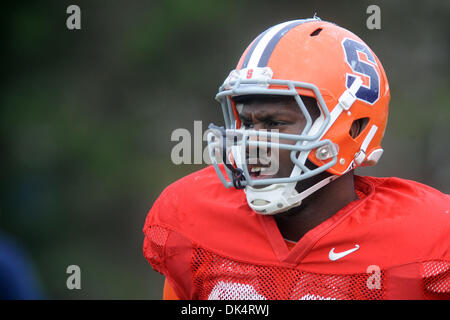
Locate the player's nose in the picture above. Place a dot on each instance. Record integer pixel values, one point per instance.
(259, 148)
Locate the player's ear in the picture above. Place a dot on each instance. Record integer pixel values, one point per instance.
(354, 129)
(357, 127)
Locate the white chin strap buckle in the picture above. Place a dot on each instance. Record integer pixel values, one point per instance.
(269, 200)
(280, 197)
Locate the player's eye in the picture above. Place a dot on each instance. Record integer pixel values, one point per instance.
(274, 123)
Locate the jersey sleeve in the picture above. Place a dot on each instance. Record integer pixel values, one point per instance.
(167, 251)
(169, 292)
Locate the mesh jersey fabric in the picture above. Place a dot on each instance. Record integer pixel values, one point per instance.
(210, 245)
(169, 292)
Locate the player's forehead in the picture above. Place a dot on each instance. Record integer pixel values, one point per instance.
(266, 104)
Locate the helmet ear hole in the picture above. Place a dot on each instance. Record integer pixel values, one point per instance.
(358, 127)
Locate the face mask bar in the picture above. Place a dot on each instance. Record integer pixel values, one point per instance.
(243, 87)
(224, 138)
(215, 139)
(219, 139)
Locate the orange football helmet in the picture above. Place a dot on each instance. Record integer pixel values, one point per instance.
(319, 59)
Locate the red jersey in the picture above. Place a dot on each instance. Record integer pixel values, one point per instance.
(391, 243)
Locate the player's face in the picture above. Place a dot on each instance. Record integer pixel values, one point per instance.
(283, 115)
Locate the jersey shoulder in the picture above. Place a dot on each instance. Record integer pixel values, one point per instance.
(409, 214)
(402, 195)
(199, 195)
(199, 208)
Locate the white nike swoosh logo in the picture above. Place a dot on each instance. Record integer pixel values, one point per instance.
(336, 256)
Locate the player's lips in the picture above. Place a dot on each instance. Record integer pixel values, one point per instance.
(260, 170)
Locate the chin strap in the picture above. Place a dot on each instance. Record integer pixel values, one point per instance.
(281, 197)
(306, 193)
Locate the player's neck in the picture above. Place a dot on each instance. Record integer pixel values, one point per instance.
(317, 208)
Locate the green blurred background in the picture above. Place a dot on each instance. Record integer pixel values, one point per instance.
(87, 115)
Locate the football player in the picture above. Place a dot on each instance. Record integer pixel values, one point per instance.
(282, 215)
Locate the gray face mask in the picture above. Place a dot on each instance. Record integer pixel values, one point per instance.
(240, 141)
